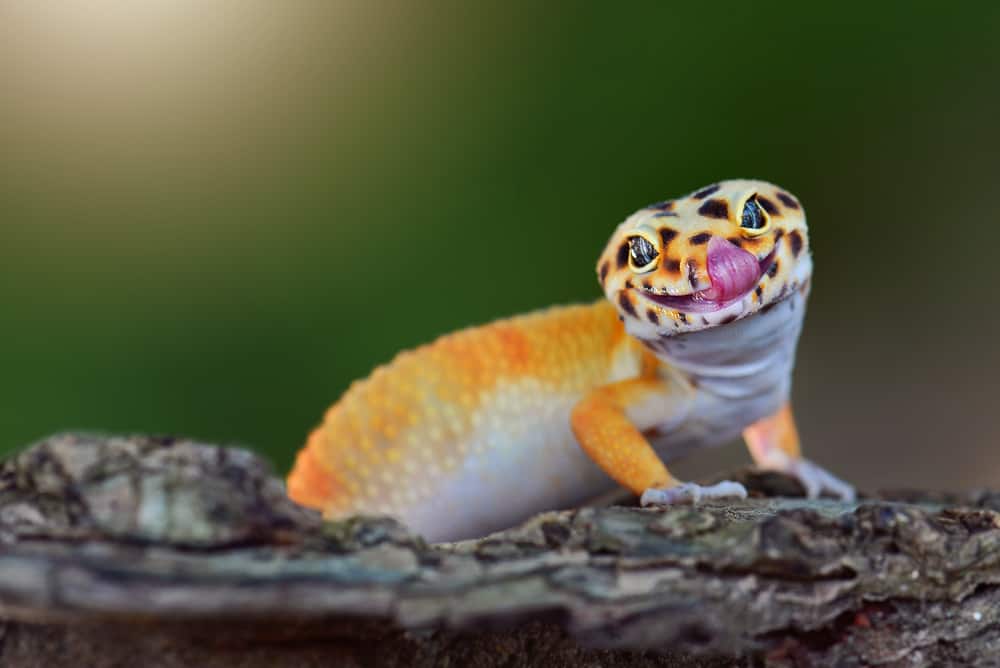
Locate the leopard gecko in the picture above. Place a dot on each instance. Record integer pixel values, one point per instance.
(693, 346)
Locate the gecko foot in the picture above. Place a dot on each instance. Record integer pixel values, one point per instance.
(817, 480)
(689, 492)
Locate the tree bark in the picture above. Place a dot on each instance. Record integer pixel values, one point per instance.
(154, 551)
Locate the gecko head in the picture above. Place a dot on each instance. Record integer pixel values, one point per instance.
(714, 256)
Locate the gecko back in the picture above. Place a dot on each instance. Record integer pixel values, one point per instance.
(470, 432)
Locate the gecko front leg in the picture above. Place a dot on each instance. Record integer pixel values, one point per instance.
(608, 424)
(774, 445)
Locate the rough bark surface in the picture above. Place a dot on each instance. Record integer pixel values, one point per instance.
(154, 551)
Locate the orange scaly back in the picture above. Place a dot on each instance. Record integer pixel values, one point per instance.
(396, 438)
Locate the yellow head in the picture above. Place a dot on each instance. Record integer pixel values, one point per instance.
(717, 255)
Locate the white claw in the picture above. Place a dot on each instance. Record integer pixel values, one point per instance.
(689, 492)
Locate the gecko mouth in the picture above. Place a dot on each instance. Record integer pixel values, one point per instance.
(734, 273)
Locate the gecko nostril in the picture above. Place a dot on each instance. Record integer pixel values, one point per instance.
(692, 272)
(672, 265)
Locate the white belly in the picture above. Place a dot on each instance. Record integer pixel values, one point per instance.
(523, 458)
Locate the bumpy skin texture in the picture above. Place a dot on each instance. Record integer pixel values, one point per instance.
(695, 343)
(469, 399)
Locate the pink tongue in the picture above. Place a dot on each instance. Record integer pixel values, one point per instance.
(732, 270)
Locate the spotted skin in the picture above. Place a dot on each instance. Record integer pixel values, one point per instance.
(395, 438)
(486, 426)
(684, 243)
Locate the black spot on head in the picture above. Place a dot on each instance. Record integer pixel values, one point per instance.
(768, 205)
(683, 316)
(700, 238)
(667, 235)
(664, 214)
(788, 200)
(795, 238)
(628, 283)
(647, 285)
(778, 233)
(672, 266)
(759, 291)
(665, 205)
(705, 192)
(693, 273)
(736, 241)
(768, 307)
(714, 208)
(605, 268)
(621, 259)
(652, 317)
(772, 271)
(728, 319)
(626, 303)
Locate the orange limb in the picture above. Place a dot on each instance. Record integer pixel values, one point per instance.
(774, 440)
(612, 438)
(774, 446)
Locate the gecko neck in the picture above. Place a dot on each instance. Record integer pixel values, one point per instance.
(744, 359)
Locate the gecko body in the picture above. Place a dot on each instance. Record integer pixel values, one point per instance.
(693, 345)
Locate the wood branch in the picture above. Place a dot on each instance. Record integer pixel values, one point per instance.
(155, 551)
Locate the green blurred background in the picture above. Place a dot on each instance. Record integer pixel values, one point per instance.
(214, 216)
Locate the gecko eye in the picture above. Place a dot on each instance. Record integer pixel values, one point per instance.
(754, 219)
(642, 254)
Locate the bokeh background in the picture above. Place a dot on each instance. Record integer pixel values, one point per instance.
(213, 216)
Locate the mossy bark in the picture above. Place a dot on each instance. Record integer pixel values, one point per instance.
(151, 551)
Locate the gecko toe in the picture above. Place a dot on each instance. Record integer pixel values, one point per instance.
(818, 480)
(691, 493)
